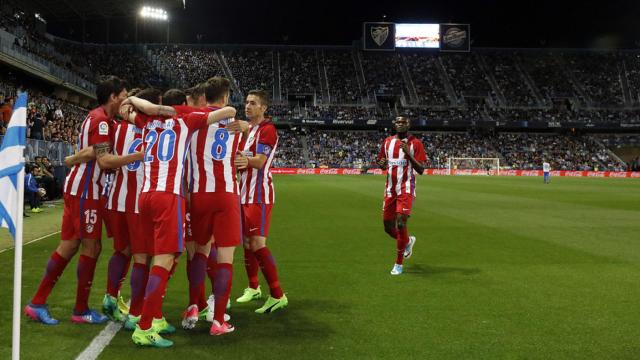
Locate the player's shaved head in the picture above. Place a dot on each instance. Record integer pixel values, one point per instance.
(216, 88)
(402, 124)
(174, 97)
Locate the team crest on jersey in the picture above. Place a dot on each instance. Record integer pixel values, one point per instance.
(89, 228)
(103, 128)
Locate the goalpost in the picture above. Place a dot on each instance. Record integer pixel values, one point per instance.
(491, 166)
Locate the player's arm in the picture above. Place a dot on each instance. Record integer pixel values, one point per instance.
(225, 113)
(107, 160)
(149, 108)
(382, 158)
(83, 156)
(417, 165)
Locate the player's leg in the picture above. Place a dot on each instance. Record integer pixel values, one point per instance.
(118, 264)
(222, 290)
(37, 307)
(251, 266)
(401, 243)
(277, 299)
(138, 281)
(165, 213)
(389, 217)
(89, 252)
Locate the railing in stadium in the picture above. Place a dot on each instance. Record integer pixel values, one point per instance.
(55, 151)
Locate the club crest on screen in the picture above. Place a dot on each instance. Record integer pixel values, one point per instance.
(379, 34)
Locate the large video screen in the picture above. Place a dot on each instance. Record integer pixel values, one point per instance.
(425, 36)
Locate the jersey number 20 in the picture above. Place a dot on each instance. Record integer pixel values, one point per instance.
(166, 145)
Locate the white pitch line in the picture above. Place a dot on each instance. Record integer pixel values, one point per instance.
(100, 342)
(32, 241)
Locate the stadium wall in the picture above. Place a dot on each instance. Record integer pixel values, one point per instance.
(466, 172)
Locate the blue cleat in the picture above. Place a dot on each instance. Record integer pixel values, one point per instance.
(89, 317)
(397, 269)
(40, 313)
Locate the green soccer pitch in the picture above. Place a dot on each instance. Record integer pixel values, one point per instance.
(503, 268)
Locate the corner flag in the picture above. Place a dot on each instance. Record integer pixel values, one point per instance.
(12, 201)
(12, 164)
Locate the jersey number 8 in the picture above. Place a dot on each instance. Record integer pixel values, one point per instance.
(219, 146)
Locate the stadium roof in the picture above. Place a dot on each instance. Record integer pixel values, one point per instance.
(65, 10)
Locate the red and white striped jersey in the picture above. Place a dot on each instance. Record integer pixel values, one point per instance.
(256, 185)
(401, 179)
(87, 179)
(165, 145)
(211, 155)
(125, 187)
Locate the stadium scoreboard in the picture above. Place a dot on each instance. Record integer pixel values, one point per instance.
(385, 36)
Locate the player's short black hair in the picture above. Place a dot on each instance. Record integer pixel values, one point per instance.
(196, 91)
(133, 92)
(174, 97)
(150, 94)
(107, 86)
(215, 88)
(263, 95)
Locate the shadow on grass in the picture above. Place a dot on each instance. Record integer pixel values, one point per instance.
(429, 270)
(294, 324)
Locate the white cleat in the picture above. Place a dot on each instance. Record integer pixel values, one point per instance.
(408, 250)
(397, 269)
(211, 304)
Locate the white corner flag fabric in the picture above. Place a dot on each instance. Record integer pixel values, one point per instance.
(12, 164)
(12, 202)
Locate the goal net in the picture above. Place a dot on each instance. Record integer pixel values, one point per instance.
(473, 166)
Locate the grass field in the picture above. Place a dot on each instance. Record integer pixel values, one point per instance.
(504, 268)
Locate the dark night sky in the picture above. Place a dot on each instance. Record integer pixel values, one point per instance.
(493, 22)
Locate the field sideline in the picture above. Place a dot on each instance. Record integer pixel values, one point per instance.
(503, 268)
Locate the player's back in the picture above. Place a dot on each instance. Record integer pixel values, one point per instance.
(127, 182)
(165, 144)
(87, 179)
(211, 159)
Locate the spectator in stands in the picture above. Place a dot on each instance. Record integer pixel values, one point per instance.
(6, 111)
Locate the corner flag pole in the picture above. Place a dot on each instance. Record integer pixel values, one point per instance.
(17, 271)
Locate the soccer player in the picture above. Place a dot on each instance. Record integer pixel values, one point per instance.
(401, 155)
(123, 215)
(167, 131)
(257, 196)
(83, 213)
(214, 210)
(546, 170)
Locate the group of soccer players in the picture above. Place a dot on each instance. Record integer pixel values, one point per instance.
(162, 171)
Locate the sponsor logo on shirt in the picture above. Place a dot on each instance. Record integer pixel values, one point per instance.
(397, 162)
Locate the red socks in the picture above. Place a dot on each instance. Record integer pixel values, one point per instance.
(221, 290)
(139, 277)
(54, 269)
(196, 272)
(251, 265)
(401, 242)
(156, 287)
(117, 271)
(268, 266)
(85, 271)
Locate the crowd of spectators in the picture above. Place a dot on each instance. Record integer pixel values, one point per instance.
(300, 72)
(251, 68)
(427, 79)
(188, 66)
(342, 77)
